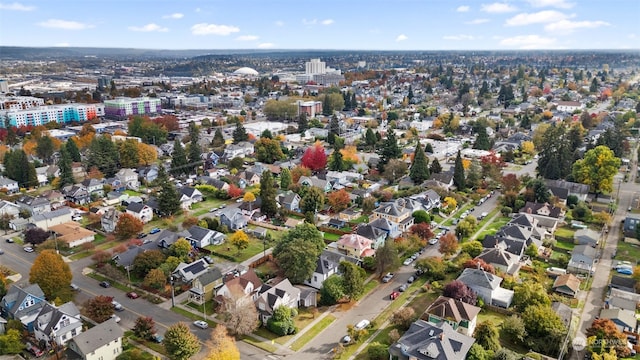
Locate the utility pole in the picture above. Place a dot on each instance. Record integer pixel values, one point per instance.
(173, 299)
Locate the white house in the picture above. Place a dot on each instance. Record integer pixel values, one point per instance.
(101, 342)
(282, 294)
(56, 217)
(569, 106)
(58, 324)
(129, 178)
(140, 211)
(9, 185)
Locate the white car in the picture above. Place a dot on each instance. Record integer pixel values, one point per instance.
(433, 241)
(408, 261)
(387, 278)
(363, 324)
(116, 318)
(201, 324)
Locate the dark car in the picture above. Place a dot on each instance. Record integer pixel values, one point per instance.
(9, 240)
(132, 295)
(105, 284)
(411, 279)
(141, 236)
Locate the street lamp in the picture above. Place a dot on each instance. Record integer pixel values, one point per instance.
(173, 299)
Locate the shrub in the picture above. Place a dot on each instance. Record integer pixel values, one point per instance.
(377, 351)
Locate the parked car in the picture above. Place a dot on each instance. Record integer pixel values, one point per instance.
(105, 284)
(208, 259)
(116, 318)
(74, 287)
(157, 338)
(1, 251)
(28, 249)
(141, 236)
(408, 261)
(411, 279)
(132, 295)
(433, 241)
(394, 295)
(34, 349)
(387, 278)
(154, 231)
(9, 240)
(363, 324)
(403, 288)
(117, 306)
(201, 324)
(625, 271)
(346, 340)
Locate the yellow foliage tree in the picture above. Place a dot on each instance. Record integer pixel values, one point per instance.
(350, 153)
(240, 240)
(449, 204)
(249, 197)
(29, 147)
(147, 154)
(528, 147)
(466, 163)
(3, 150)
(221, 345)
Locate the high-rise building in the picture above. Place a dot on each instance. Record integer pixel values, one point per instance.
(19, 102)
(121, 108)
(61, 114)
(315, 66)
(4, 86)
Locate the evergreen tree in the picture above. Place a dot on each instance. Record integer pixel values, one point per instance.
(103, 154)
(268, 194)
(410, 94)
(266, 134)
(285, 179)
(12, 138)
(428, 149)
(419, 171)
(458, 173)
(435, 167)
(389, 150)
(168, 197)
(72, 150)
(370, 138)
(240, 133)
(195, 151)
(218, 139)
(336, 162)
(44, 149)
(484, 89)
(594, 85)
(66, 175)
(334, 129)
(354, 101)
(178, 159)
(482, 140)
(326, 105)
(303, 123)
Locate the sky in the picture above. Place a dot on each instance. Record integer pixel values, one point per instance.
(323, 24)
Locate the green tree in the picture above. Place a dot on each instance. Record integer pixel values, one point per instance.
(281, 323)
(478, 353)
(268, 151)
(389, 150)
(194, 150)
(147, 261)
(52, 274)
(394, 170)
(240, 133)
(594, 85)
(419, 171)
(268, 194)
(218, 139)
(298, 251)
(387, 258)
(66, 174)
(313, 200)
(336, 161)
(597, 169)
(473, 248)
(545, 329)
(555, 153)
(180, 249)
(334, 129)
(180, 343)
(18, 167)
(285, 179)
(155, 279)
(482, 139)
(487, 336)
(458, 173)
(332, 290)
(45, 149)
(103, 154)
(513, 327)
(353, 277)
(421, 216)
(128, 151)
(168, 197)
(370, 138)
(539, 190)
(11, 342)
(178, 159)
(435, 167)
(530, 293)
(303, 123)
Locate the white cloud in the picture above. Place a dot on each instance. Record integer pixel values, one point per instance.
(568, 26)
(247, 38)
(16, 7)
(309, 22)
(463, 8)
(174, 16)
(65, 25)
(213, 29)
(63, 44)
(279, 23)
(545, 16)
(401, 37)
(528, 42)
(498, 8)
(149, 28)
(327, 22)
(561, 4)
(458, 37)
(265, 45)
(477, 21)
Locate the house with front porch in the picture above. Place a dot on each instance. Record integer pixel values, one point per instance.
(140, 211)
(397, 214)
(461, 316)
(487, 286)
(271, 297)
(76, 194)
(328, 264)
(233, 219)
(186, 273)
(189, 196)
(200, 237)
(240, 287)
(95, 187)
(129, 178)
(101, 342)
(109, 220)
(355, 246)
(203, 287)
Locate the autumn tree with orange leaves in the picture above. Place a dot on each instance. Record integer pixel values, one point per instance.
(339, 200)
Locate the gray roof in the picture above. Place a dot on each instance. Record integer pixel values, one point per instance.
(479, 278)
(370, 232)
(135, 206)
(50, 315)
(126, 258)
(16, 295)
(97, 336)
(424, 340)
(52, 214)
(330, 260)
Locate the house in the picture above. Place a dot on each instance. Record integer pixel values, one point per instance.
(582, 259)
(101, 342)
(372, 233)
(356, 246)
(530, 224)
(350, 214)
(114, 198)
(34, 205)
(395, 212)
(218, 184)
(327, 265)
(140, 211)
(9, 185)
(200, 237)
(569, 106)
(487, 286)
(9, 209)
(567, 284)
(76, 194)
(336, 223)
(271, 297)
(440, 180)
(250, 208)
(240, 287)
(579, 190)
(203, 287)
(166, 238)
(56, 217)
(623, 283)
(629, 226)
(24, 304)
(56, 198)
(547, 215)
(148, 174)
(501, 260)
(72, 233)
(314, 181)
(426, 341)
(250, 178)
(58, 324)
(620, 299)
(78, 171)
(95, 187)
(461, 316)
(561, 193)
(53, 171)
(109, 220)
(185, 273)
(586, 237)
(116, 184)
(290, 201)
(189, 196)
(563, 311)
(625, 320)
(308, 297)
(233, 219)
(241, 149)
(126, 258)
(428, 200)
(129, 178)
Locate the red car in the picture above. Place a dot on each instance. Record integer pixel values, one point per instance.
(132, 295)
(394, 295)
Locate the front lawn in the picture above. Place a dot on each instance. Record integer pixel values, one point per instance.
(255, 247)
(312, 333)
(628, 252)
(304, 318)
(565, 233)
(331, 237)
